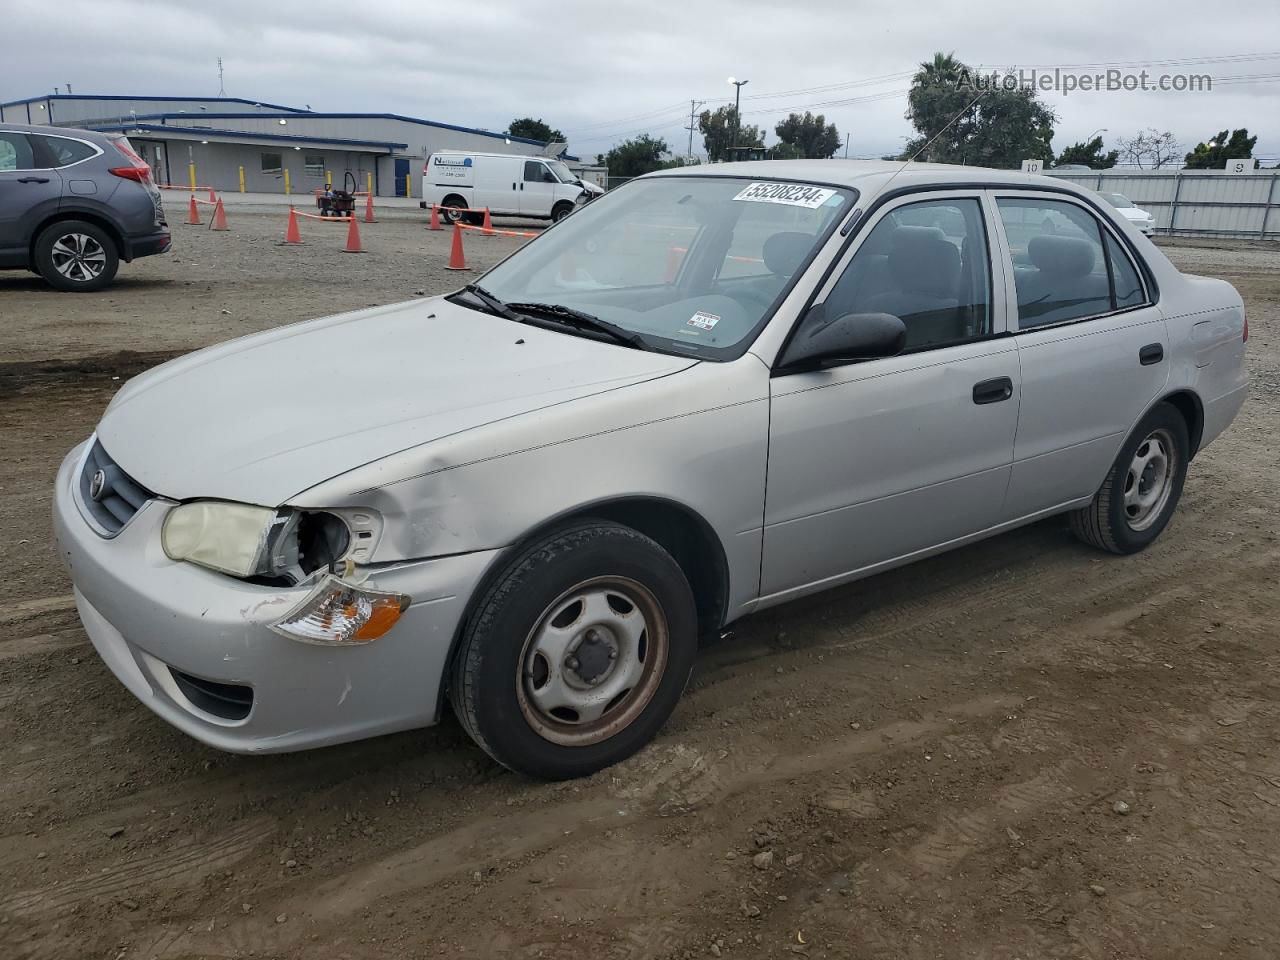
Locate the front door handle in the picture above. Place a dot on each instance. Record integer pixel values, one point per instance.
(993, 391)
(33, 179)
(1151, 353)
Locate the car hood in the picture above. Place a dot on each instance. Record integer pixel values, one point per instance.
(263, 418)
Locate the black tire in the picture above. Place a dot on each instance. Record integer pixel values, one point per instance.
(560, 211)
(451, 209)
(1110, 524)
(76, 256)
(491, 672)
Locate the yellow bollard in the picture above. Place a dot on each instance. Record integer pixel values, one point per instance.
(286, 182)
(408, 185)
(242, 179)
(368, 182)
(191, 171)
(328, 178)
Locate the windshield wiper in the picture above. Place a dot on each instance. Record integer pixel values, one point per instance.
(583, 321)
(491, 303)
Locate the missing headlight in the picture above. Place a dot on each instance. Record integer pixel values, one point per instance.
(300, 544)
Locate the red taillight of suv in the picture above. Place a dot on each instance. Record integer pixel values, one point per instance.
(137, 168)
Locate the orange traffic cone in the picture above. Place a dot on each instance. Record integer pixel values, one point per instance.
(435, 218)
(219, 221)
(213, 197)
(291, 234)
(456, 259)
(353, 236)
(193, 212)
(368, 209)
(486, 228)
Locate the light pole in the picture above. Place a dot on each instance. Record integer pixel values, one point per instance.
(737, 116)
(1094, 134)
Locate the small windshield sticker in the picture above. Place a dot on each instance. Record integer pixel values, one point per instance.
(792, 194)
(703, 321)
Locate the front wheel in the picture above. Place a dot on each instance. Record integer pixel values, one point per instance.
(577, 653)
(1143, 487)
(76, 256)
(561, 211)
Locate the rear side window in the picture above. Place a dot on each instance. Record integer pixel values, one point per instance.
(1059, 262)
(1129, 292)
(63, 152)
(15, 152)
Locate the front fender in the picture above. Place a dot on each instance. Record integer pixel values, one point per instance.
(699, 440)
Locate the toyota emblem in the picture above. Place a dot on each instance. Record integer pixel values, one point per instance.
(97, 484)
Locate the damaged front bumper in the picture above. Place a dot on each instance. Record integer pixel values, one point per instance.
(196, 646)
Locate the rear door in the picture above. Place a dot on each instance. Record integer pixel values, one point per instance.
(1092, 346)
(29, 191)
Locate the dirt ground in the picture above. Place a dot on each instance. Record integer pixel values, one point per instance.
(1022, 749)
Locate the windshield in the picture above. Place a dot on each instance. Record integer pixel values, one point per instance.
(559, 168)
(1118, 200)
(695, 265)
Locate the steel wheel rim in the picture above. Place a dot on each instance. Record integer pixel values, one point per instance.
(1148, 482)
(453, 214)
(593, 661)
(78, 257)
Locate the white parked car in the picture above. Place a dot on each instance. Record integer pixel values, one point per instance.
(540, 188)
(703, 395)
(1140, 218)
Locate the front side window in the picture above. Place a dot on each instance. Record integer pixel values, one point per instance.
(313, 165)
(1059, 262)
(64, 152)
(927, 264)
(15, 152)
(272, 163)
(535, 172)
(693, 264)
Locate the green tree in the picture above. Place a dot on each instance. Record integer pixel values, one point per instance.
(813, 136)
(639, 155)
(1090, 154)
(785, 151)
(966, 118)
(718, 132)
(535, 130)
(1215, 154)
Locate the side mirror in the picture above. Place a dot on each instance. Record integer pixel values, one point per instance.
(853, 336)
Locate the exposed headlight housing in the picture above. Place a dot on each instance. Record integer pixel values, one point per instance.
(250, 541)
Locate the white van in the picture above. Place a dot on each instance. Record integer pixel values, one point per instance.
(509, 185)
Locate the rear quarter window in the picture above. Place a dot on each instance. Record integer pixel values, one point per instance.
(62, 151)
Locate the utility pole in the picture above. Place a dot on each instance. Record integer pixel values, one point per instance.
(737, 116)
(846, 145)
(222, 90)
(693, 123)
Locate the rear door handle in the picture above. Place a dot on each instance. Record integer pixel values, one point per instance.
(993, 391)
(1151, 353)
(33, 179)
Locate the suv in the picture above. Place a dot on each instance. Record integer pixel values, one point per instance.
(73, 204)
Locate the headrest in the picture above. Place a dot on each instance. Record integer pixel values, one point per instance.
(921, 260)
(784, 252)
(1067, 258)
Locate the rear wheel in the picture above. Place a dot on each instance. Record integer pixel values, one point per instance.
(578, 652)
(1142, 489)
(76, 256)
(452, 209)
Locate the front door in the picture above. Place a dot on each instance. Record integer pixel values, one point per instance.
(1092, 346)
(538, 191)
(402, 176)
(871, 463)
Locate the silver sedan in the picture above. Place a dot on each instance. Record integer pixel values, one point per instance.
(705, 394)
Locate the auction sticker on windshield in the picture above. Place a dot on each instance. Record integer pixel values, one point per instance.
(703, 321)
(792, 194)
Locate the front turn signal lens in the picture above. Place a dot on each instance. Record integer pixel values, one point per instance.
(337, 613)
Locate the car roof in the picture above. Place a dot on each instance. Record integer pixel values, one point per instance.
(48, 130)
(870, 177)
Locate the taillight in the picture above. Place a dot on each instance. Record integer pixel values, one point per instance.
(137, 168)
(142, 174)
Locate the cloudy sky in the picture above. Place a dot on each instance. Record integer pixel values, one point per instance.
(605, 71)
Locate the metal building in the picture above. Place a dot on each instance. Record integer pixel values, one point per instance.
(227, 138)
